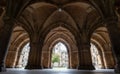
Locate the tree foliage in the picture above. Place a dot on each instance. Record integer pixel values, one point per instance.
(55, 58)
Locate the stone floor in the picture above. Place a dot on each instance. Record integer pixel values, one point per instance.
(57, 71)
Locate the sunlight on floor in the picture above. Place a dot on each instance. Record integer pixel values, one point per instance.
(59, 68)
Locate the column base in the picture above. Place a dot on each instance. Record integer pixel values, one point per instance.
(33, 67)
(68, 67)
(86, 67)
(45, 67)
(2, 69)
(73, 67)
(117, 68)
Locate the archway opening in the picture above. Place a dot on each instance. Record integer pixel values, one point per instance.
(59, 58)
(101, 46)
(18, 40)
(96, 58)
(24, 56)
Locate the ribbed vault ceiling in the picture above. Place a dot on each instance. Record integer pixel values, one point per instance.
(41, 16)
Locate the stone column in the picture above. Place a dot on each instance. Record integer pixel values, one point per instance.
(85, 58)
(5, 35)
(114, 33)
(84, 53)
(34, 60)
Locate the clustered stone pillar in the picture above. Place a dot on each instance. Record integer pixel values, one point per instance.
(34, 60)
(5, 35)
(114, 33)
(85, 58)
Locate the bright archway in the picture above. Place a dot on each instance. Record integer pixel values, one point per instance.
(63, 37)
(96, 58)
(59, 57)
(23, 59)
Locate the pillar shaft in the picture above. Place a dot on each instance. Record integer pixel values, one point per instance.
(85, 58)
(5, 35)
(84, 53)
(34, 60)
(114, 33)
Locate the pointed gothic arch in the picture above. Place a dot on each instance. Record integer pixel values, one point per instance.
(66, 51)
(59, 34)
(18, 40)
(101, 40)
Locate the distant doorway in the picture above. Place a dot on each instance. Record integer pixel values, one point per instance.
(59, 58)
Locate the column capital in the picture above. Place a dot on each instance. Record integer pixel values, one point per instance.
(36, 41)
(109, 20)
(86, 44)
(7, 19)
(8, 23)
(36, 38)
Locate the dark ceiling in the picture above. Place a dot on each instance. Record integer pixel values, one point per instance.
(56, 2)
(3, 2)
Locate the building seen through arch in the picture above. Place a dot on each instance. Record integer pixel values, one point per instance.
(24, 56)
(46, 34)
(96, 60)
(59, 56)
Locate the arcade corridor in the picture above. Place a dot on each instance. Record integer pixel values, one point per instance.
(30, 30)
